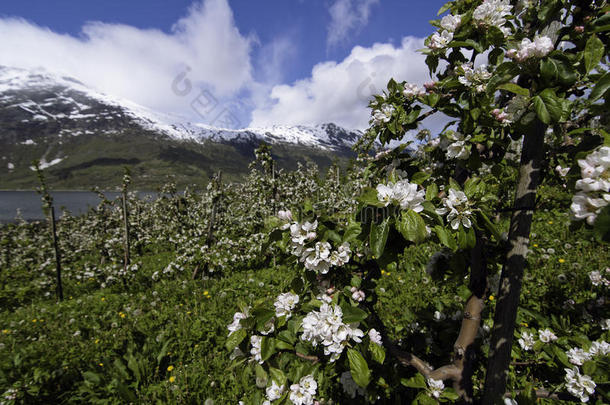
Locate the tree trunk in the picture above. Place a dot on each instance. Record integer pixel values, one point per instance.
(59, 288)
(126, 233)
(516, 259)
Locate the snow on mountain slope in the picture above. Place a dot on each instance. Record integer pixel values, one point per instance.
(40, 96)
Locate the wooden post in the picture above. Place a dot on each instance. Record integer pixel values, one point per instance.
(59, 288)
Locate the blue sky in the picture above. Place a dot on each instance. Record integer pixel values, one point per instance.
(273, 57)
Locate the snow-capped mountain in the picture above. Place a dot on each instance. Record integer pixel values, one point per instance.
(42, 96)
(84, 137)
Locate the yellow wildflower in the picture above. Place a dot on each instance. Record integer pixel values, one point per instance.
(491, 298)
(562, 260)
(172, 379)
(170, 368)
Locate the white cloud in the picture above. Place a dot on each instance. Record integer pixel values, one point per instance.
(347, 17)
(140, 64)
(339, 92)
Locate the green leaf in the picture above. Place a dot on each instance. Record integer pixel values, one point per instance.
(235, 339)
(548, 107)
(358, 367)
(353, 314)
(369, 197)
(377, 352)
(352, 231)
(163, 351)
(594, 51)
(379, 237)
(445, 237)
(261, 376)
(490, 226)
(514, 88)
(277, 375)
(431, 191)
(91, 377)
(602, 86)
(417, 381)
(420, 177)
(466, 237)
(267, 347)
(262, 316)
(445, 7)
(287, 336)
(412, 226)
(557, 69)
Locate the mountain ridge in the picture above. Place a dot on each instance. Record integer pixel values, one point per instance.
(74, 130)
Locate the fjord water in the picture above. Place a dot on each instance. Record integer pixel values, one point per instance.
(29, 205)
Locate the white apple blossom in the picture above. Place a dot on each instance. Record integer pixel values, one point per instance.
(358, 295)
(383, 115)
(402, 193)
(303, 392)
(457, 208)
(605, 324)
(578, 356)
(451, 22)
(476, 78)
(340, 256)
(526, 341)
(599, 348)
(579, 385)
(375, 337)
(440, 40)
(317, 258)
(594, 185)
(303, 232)
(597, 278)
(285, 303)
(562, 171)
(538, 48)
(435, 387)
(326, 327)
(493, 13)
(256, 348)
(458, 147)
(546, 335)
(413, 91)
(274, 391)
(235, 325)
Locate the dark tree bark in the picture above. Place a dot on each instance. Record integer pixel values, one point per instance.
(530, 175)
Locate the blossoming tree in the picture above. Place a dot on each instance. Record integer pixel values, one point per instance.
(524, 85)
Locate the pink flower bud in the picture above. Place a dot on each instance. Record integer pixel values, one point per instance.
(579, 29)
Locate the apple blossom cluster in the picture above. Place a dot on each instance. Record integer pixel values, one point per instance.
(274, 391)
(538, 48)
(502, 116)
(441, 39)
(236, 325)
(598, 279)
(578, 356)
(412, 91)
(383, 115)
(457, 208)
(285, 303)
(320, 257)
(458, 148)
(375, 337)
(594, 186)
(579, 385)
(403, 193)
(303, 392)
(326, 327)
(435, 387)
(493, 13)
(256, 348)
(472, 77)
(527, 339)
